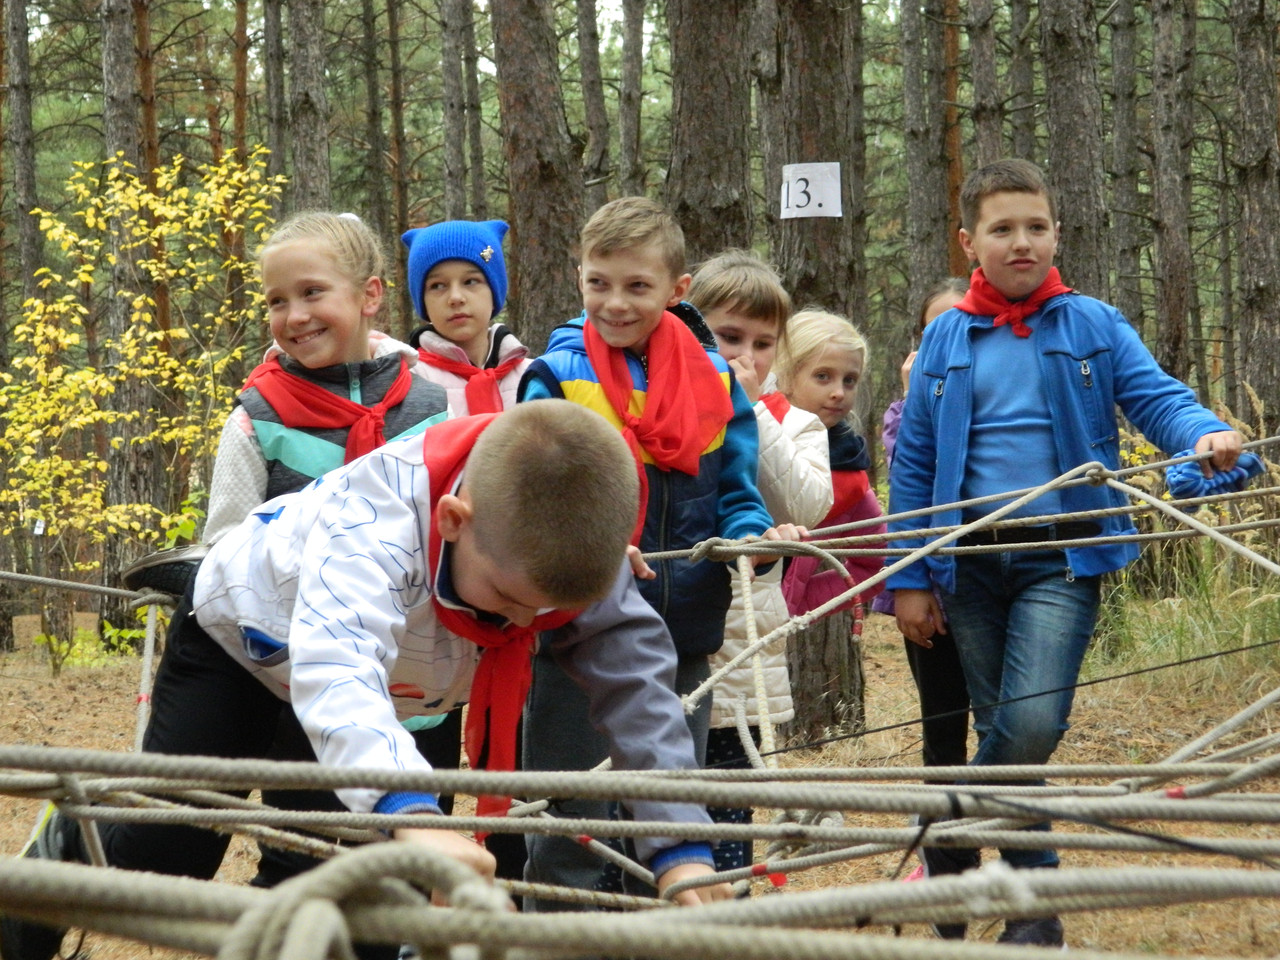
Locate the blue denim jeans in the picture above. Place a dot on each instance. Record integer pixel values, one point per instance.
(1021, 623)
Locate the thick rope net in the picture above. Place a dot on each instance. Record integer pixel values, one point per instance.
(372, 891)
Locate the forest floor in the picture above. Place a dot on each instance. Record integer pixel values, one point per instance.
(1136, 720)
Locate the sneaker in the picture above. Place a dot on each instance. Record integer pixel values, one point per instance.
(1035, 932)
(940, 862)
(916, 874)
(54, 838)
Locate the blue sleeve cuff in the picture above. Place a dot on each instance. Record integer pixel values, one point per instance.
(408, 803)
(691, 851)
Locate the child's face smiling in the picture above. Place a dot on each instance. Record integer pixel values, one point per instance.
(317, 314)
(828, 384)
(459, 305)
(1014, 241)
(752, 339)
(625, 292)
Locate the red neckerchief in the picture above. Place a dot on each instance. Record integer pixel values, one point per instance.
(984, 300)
(483, 395)
(303, 404)
(685, 406)
(777, 404)
(502, 678)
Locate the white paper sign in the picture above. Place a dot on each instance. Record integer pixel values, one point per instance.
(810, 190)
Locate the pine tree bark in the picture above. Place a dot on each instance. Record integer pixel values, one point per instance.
(377, 196)
(1257, 164)
(402, 320)
(630, 163)
(544, 179)
(475, 119)
(1068, 41)
(455, 109)
(825, 663)
(595, 159)
(276, 105)
(308, 107)
(924, 133)
(1126, 165)
(1170, 84)
(1022, 99)
(708, 183)
(132, 469)
(988, 109)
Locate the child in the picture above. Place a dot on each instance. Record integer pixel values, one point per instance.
(310, 613)
(746, 308)
(689, 423)
(457, 279)
(331, 387)
(819, 367)
(1022, 620)
(458, 282)
(939, 679)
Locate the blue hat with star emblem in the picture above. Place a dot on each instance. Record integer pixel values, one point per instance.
(477, 242)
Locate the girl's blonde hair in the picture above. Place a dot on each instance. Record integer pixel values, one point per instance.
(356, 248)
(809, 332)
(739, 281)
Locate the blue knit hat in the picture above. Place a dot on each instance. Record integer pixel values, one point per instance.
(475, 242)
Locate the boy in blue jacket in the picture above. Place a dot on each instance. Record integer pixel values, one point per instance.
(1022, 620)
(647, 362)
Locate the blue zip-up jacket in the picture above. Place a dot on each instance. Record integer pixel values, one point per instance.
(1091, 361)
(722, 500)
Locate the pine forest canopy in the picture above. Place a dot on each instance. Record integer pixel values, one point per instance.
(135, 189)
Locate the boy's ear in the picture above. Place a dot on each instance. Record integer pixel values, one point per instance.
(966, 244)
(681, 288)
(372, 296)
(452, 516)
(578, 268)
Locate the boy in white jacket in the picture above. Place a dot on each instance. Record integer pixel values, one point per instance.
(397, 586)
(746, 307)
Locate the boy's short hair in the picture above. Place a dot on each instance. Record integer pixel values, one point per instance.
(555, 494)
(1010, 175)
(739, 281)
(356, 248)
(631, 222)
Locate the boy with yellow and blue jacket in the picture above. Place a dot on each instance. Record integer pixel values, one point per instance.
(647, 362)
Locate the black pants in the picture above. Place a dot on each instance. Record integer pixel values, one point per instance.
(940, 683)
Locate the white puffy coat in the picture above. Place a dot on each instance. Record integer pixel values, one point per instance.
(795, 480)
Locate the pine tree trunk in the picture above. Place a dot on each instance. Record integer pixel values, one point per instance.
(988, 109)
(1257, 164)
(455, 109)
(1170, 84)
(927, 212)
(595, 159)
(1022, 97)
(709, 190)
(544, 179)
(402, 320)
(132, 469)
(308, 107)
(275, 105)
(1069, 42)
(475, 120)
(817, 257)
(1126, 165)
(378, 196)
(825, 663)
(630, 163)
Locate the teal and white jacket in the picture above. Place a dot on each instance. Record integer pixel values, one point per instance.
(260, 458)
